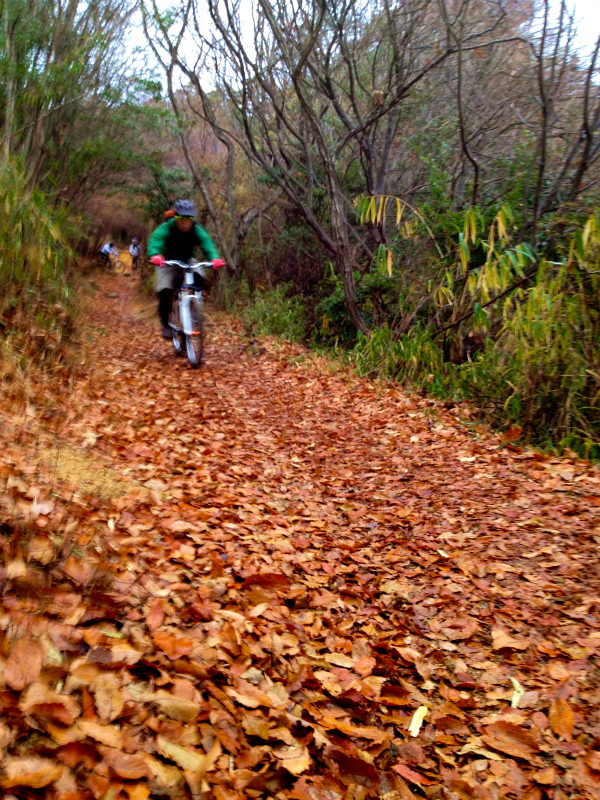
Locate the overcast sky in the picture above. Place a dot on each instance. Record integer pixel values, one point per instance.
(587, 13)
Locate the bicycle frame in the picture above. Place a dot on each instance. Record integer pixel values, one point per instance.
(188, 294)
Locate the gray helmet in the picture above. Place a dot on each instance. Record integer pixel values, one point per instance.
(184, 208)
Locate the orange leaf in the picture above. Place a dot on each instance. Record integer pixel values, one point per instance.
(34, 772)
(412, 776)
(40, 701)
(501, 639)
(173, 646)
(24, 664)
(562, 719)
(268, 580)
(156, 615)
(511, 739)
(130, 767)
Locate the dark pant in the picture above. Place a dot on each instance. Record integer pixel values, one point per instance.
(165, 297)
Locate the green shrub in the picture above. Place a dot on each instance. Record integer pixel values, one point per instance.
(274, 312)
(377, 294)
(34, 256)
(538, 372)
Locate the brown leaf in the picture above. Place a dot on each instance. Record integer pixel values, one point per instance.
(501, 639)
(412, 776)
(511, 739)
(352, 769)
(365, 666)
(461, 628)
(175, 707)
(369, 732)
(255, 725)
(558, 671)
(562, 719)
(174, 646)
(80, 570)
(130, 767)
(187, 759)
(295, 758)
(268, 580)
(77, 753)
(592, 759)
(108, 697)
(40, 701)
(105, 734)
(31, 771)
(512, 434)
(24, 664)
(545, 777)
(156, 615)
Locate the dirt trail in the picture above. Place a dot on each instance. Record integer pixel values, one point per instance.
(289, 564)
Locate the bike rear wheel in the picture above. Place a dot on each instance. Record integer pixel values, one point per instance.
(194, 343)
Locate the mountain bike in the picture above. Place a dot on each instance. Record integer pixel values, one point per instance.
(116, 265)
(187, 312)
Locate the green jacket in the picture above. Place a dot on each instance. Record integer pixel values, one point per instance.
(168, 241)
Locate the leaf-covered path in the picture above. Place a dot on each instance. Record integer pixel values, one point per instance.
(244, 581)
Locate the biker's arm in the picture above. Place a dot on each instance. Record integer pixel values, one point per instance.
(206, 244)
(157, 246)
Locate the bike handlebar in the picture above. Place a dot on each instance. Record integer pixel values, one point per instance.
(190, 267)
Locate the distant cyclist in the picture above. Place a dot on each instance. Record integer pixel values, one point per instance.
(175, 240)
(134, 250)
(106, 251)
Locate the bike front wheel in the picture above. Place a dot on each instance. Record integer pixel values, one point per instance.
(194, 342)
(178, 334)
(119, 267)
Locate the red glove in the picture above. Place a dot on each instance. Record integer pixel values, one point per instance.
(218, 263)
(158, 261)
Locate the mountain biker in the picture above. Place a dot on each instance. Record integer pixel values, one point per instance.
(175, 240)
(134, 250)
(105, 252)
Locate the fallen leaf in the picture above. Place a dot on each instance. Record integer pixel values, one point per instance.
(502, 640)
(39, 700)
(174, 646)
(130, 767)
(562, 719)
(108, 697)
(340, 660)
(460, 628)
(174, 707)
(24, 664)
(511, 739)
(185, 758)
(417, 720)
(156, 615)
(545, 777)
(31, 771)
(558, 671)
(105, 734)
(412, 776)
(268, 580)
(294, 758)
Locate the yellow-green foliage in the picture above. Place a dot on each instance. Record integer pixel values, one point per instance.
(540, 365)
(33, 259)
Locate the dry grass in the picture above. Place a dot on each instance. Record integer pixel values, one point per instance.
(84, 473)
